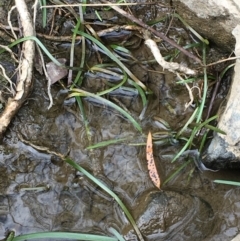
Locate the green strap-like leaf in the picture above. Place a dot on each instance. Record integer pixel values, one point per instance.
(63, 235)
(114, 58)
(227, 182)
(79, 92)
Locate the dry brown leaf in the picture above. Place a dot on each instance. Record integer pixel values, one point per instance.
(56, 72)
(153, 173)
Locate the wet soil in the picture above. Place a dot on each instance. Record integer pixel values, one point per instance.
(40, 192)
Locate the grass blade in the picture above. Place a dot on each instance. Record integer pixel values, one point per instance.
(194, 132)
(55, 61)
(227, 182)
(185, 146)
(177, 171)
(113, 57)
(116, 234)
(85, 121)
(205, 41)
(114, 87)
(106, 143)
(44, 13)
(63, 235)
(213, 128)
(79, 92)
(110, 192)
(34, 38)
(225, 70)
(140, 91)
(190, 120)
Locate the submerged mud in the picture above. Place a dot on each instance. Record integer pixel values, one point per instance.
(40, 192)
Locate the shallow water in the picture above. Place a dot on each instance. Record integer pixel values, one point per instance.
(65, 200)
(40, 192)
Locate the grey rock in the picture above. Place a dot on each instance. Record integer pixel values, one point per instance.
(174, 216)
(224, 150)
(213, 19)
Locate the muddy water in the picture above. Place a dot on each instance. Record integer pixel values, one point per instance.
(61, 199)
(39, 192)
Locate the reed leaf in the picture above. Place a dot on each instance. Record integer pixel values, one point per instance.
(63, 235)
(227, 182)
(79, 92)
(114, 58)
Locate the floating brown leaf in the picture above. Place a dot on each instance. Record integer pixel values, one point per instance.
(151, 163)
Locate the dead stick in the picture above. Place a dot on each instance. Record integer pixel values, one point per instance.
(158, 34)
(26, 64)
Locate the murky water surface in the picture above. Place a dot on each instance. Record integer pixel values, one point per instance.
(40, 192)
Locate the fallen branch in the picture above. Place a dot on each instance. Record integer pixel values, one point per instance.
(24, 83)
(158, 34)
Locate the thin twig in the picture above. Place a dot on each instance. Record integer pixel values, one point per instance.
(10, 52)
(215, 90)
(9, 21)
(223, 60)
(158, 34)
(189, 92)
(35, 5)
(8, 79)
(190, 96)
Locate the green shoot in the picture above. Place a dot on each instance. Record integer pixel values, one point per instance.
(190, 120)
(85, 121)
(99, 17)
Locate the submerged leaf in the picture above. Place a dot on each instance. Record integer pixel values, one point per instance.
(56, 72)
(151, 163)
